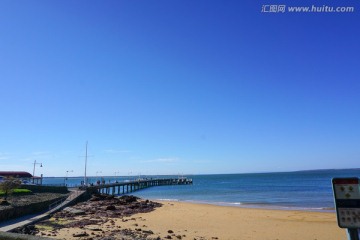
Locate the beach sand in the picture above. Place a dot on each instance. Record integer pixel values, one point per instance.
(180, 220)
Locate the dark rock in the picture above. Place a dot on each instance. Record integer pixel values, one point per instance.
(4, 203)
(83, 234)
(95, 229)
(29, 230)
(170, 231)
(128, 199)
(111, 207)
(107, 197)
(94, 199)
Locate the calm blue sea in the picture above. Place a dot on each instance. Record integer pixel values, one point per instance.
(307, 190)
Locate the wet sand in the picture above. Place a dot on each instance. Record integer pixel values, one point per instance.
(178, 220)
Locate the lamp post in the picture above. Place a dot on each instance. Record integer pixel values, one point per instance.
(35, 163)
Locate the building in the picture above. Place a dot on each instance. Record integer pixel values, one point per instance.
(25, 177)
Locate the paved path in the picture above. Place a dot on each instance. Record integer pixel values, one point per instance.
(30, 219)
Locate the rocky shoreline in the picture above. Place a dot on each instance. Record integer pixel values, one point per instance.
(95, 219)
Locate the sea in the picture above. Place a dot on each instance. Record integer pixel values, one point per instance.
(300, 190)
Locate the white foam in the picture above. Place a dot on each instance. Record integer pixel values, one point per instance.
(168, 199)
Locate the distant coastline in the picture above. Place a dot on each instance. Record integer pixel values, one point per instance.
(172, 175)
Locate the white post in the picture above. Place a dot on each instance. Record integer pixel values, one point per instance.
(34, 172)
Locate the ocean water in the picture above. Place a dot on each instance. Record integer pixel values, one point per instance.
(305, 190)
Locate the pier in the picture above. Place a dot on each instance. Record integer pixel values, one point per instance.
(118, 188)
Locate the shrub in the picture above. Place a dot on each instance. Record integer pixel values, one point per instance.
(8, 186)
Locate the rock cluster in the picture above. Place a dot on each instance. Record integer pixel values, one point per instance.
(100, 209)
(29, 230)
(102, 206)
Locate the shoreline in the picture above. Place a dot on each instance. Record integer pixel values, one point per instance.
(252, 205)
(183, 220)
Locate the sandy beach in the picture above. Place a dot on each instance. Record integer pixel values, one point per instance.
(211, 222)
(179, 220)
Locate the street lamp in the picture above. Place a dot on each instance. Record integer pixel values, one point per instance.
(35, 163)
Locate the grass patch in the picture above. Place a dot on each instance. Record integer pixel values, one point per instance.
(60, 221)
(44, 227)
(18, 191)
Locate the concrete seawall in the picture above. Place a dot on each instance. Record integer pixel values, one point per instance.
(18, 211)
(74, 196)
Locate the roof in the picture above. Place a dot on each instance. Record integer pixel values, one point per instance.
(15, 174)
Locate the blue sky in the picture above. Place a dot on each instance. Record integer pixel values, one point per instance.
(168, 87)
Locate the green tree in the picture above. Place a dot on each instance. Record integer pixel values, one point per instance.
(8, 186)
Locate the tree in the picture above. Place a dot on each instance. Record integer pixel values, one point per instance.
(8, 186)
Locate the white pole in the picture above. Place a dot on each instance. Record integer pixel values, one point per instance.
(34, 172)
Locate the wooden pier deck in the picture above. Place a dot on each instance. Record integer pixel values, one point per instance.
(132, 186)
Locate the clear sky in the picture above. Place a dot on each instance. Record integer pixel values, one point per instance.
(180, 86)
